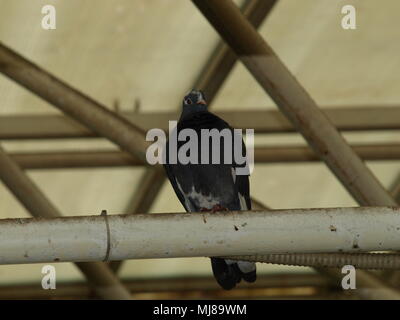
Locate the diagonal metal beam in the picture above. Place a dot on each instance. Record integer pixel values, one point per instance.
(294, 102)
(82, 108)
(210, 80)
(104, 282)
(223, 59)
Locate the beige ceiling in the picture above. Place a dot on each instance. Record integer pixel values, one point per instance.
(152, 51)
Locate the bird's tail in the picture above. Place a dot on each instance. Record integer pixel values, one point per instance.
(230, 272)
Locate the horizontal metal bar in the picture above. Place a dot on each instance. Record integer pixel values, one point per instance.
(202, 234)
(267, 154)
(263, 121)
(74, 159)
(184, 285)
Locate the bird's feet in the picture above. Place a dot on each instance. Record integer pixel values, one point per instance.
(217, 208)
(214, 209)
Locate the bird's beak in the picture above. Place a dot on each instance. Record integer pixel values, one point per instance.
(201, 102)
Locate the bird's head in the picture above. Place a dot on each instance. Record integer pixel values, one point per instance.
(194, 101)
(194, 98)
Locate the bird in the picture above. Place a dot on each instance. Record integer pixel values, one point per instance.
(212, 187)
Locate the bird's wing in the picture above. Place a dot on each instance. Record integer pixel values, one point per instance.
(204, 186)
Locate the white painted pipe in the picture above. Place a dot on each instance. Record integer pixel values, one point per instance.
(199, 234)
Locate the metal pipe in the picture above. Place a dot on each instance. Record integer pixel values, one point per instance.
(320, 261)
(294, 101)
(262, 121)
(377, 261)
(73, 103)
(99, 275)
(117, 237)
(265, 154)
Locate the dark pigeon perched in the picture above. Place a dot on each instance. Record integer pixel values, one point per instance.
(210, 187)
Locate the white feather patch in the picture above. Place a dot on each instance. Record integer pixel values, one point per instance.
(188, 204)
(201, 200)
(246, 266)
(233, 175)
(243, 203)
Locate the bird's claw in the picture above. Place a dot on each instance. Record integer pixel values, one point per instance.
(215, 208)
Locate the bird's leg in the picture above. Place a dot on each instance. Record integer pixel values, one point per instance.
(217, 208)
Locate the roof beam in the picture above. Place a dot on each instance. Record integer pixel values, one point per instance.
(262, 121)
(186, 286)
(223, 59)
(266, 154)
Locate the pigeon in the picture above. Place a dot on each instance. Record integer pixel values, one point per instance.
(210, 187)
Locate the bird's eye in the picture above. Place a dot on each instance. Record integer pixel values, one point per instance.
(188, 101)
